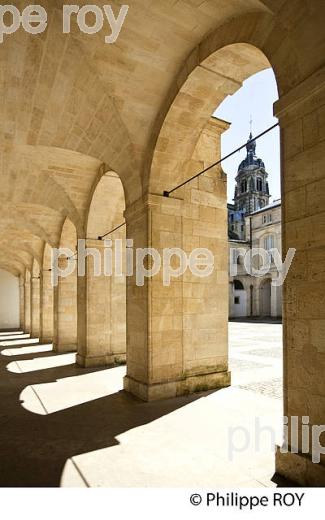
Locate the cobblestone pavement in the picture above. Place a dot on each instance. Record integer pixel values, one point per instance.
(255, 357)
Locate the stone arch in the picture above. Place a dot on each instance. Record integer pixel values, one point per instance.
(214, 63)
(106, 206)
(102, 315)
(204, 88)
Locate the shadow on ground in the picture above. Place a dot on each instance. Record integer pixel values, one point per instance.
(34, 448)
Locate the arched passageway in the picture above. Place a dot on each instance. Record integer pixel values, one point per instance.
(146, 114)
(102, 311)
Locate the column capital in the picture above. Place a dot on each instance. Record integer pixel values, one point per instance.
(136, 210)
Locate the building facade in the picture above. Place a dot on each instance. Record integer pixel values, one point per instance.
(253, 223)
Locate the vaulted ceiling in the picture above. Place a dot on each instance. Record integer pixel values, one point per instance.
(73, 108)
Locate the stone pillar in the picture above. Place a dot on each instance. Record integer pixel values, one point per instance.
(35, 307)
(177, 335)
(27, 312)
(101, 312)
(65, 311)
(47, 319)
(302, 117)
(22, 302)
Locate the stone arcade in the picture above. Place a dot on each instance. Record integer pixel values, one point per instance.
(93, 133)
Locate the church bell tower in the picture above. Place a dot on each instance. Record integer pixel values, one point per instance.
(252, 188)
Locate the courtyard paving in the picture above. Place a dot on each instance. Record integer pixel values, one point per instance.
(67, 426)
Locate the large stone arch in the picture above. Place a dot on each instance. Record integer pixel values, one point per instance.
(218, 66)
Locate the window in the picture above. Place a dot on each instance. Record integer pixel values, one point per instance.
(269, 242)
(237, 300)
(267, 219)
(259, 184)
(243, 186)
(238, 285)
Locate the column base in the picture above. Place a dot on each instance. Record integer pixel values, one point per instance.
(183, 386)
(109, 360)
(64, 349)
(45, 341)
(299, 468)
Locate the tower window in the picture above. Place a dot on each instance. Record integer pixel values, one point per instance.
(259, 184)
(243, 186)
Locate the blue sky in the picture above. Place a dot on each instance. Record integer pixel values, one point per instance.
(255, 99)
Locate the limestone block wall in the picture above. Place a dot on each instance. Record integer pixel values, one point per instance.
(302, 117)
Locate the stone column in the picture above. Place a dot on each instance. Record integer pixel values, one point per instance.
(302, 116)
(27, 313)
(47, 319)
(35, 307)
(65, 311)
(101, 311)
(22, 302)
(177, 335)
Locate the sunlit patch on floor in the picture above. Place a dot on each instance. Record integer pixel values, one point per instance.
(43, 363)
(16, 340)
(72, 391)
(11, 333)
(27, 350)
(23, 341)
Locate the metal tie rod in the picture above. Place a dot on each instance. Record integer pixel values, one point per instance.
(167, 193)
